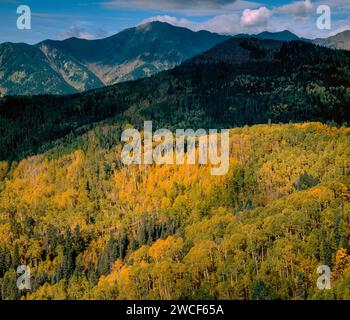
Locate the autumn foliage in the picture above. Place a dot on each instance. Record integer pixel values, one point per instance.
(91, 228)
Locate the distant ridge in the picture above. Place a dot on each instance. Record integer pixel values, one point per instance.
(338, 41)
(285, 35)
(76, 65)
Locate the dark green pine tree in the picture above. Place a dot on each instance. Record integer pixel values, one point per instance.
(15, 261)
(113, 250)
(261, 291)
(337, 231)
(122, 244)
(68, 264)
(78, 241)
(109, 255)
(327, 252)
(5, 261)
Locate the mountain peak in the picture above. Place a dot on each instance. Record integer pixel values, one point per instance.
(148, 26)
(81, 65)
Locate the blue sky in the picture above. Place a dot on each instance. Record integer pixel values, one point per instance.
(92, 19)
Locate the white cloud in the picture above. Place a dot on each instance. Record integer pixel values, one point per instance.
(182, 22)
(255, 18)
(76, 32)
(299, 17)
(301, 9)
(168, 4)
(184, 7)
(335, 4)
(81, 33)
(339, 30)
(223, 24)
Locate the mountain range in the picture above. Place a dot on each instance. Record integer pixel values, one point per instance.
(237, 82)
(77, 65)
(285, 35)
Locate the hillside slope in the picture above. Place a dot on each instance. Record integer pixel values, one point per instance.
(90, 228)
(137, 52)
(239, 82)
(26, 70)
(338, 41)
(76, 65)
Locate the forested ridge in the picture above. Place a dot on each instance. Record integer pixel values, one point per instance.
(91, 228)
(239, 82)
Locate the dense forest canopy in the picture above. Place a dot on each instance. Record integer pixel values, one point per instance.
(90, 227)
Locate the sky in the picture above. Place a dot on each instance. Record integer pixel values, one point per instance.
(94, 19)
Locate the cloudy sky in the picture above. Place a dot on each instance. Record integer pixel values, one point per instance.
(92, 19)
